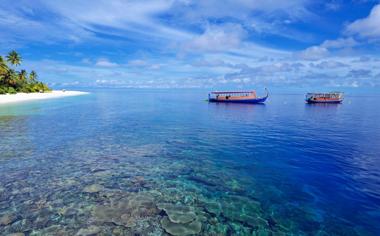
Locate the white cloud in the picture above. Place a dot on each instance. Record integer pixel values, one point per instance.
(137, 62)
(368, 27)
(340, 43)
(212, 63)
(271, 17)
(313, 53)
(104, 62)
(329, 64)
(338, 71)
(141, 22)
(323, 50)
(217, 38)
(243, 9)
(156, 29)
(18, 29)
(120, 16)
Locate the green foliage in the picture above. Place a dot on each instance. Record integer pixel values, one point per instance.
(3, 66)
(33, 75)
(14, 58)
(12, 81)
(11, 90)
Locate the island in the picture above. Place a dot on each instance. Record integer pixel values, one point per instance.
(21, 86)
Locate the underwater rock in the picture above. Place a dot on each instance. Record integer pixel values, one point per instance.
(234, 186)
(91, 230)
(176, 193)
(93, 188)
(70, 182)
(203, 180)
(193, 227)
(16, 234)
(51, 230)
(127, 220)
(41, 221)
(106, 214)
(178, 213)
(188, 199)
(21, 226)
(127, 211)
(103, 173)
(7, 219)
(138, 181)
(238, 229)
(213, 207)
(263, 232)
(216, 230)
(26, 190)
(68, 211)
(244, 210)
(118, 231)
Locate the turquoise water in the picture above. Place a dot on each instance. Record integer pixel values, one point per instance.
(165, 162)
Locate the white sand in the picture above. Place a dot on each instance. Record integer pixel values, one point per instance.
(25, 97)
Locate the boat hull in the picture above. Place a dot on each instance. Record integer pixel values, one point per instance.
(249, 101)
(325, 101)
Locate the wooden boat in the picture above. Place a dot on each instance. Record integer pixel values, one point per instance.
(332, 97)
(237, 97)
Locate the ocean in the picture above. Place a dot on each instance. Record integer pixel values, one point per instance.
(166, 162)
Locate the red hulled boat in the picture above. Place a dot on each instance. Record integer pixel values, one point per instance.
(332, 97)
(237, 97)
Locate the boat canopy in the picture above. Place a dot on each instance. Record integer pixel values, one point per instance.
(325, 95)
(233, 92)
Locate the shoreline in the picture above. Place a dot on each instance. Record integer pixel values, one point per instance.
(26, 97)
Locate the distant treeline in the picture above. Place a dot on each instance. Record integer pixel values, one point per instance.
(13, 81)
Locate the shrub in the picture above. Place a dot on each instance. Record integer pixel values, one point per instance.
(26, 89)
(11, 90)
(2, 91)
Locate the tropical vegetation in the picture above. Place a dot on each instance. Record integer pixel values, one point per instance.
(13, 81)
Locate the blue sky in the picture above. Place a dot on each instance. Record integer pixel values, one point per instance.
(189, 43)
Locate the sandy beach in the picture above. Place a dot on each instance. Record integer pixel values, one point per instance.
(25, 97)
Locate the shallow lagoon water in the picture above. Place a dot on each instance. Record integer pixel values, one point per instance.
(165, 162)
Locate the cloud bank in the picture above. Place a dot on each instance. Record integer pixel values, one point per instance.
(190, 43)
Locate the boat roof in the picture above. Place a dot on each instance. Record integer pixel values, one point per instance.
(232, 92)
(326, 93)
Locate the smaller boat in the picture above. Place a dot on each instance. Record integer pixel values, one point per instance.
(332, 97)
(237, 97)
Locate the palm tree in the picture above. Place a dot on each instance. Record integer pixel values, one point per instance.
(10, 77)
(3, 65)
(14, 58)
(33, 76)
(3, 68)
(22, 75)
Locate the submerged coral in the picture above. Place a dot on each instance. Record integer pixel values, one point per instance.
(189, 228)
(180, 219)
(127, 211)
(7, 219)
(178, 213)
(94, 188)
(91, 230)
(145, 190)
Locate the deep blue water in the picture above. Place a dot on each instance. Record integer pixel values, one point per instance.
(283, 168)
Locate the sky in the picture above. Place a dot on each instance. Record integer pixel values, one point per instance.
(196, 44)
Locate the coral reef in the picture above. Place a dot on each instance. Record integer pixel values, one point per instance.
(147, 190)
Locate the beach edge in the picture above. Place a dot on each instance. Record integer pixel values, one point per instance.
(6, 99)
